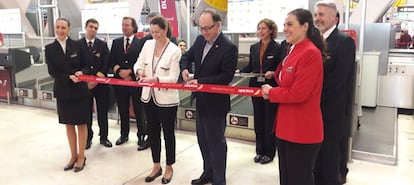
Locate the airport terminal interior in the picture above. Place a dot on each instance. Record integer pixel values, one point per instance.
(34, 144)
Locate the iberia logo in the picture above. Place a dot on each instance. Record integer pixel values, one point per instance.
(3, 83)
(257, 92)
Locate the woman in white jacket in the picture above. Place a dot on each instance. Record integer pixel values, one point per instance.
(159, 62)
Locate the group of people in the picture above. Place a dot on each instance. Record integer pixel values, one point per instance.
(304, 110)
(159, 61)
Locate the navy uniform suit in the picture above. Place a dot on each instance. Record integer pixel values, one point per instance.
(338, 71)
(218, 67)
(121, 58)
(264, 111)
(72, 98)
(97, 57)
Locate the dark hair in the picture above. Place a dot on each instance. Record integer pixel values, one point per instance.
(214, 15)
(271, 25)
(133, 23)
(152, 15)
(64, 19)
(305, 16)
(339, 18)
(181, 40)
(91, 20)
(163, 24)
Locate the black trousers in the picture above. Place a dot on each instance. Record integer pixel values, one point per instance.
(264, 119)
(101, 95)
(164, 117)
(213, 146)
(123, 96)
(327, 163)
(296, 162)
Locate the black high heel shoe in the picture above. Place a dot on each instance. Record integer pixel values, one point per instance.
(78, 169)
(165, 180)
(150, 179)
(69, 166)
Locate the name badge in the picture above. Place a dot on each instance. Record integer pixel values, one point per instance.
(261, 79)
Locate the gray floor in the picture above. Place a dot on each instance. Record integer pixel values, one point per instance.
(376, 134)
(34, 151)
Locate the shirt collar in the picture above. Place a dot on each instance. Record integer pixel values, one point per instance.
(87, 41)
(327, 33)
(130, 37)
(213, 41)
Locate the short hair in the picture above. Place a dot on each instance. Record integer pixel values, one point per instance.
(214, 14)
(328, 4)
(182, 40)
(271, 25)
(64, 19)
(91, 20)
(338, 17)
(153, 14)
(133, 23)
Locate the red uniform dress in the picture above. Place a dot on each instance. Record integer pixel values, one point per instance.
(300, 77)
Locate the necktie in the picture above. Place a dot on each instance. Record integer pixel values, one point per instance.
(127, 44)
(90, 45)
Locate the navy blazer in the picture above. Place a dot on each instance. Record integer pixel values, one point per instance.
(120, 59)
(218, 67)
(271, 58)
(60, 65)
(97, 57)
(338, 71)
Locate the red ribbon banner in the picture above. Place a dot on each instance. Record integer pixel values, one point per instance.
(210, 88)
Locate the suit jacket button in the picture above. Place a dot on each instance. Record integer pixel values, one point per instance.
(91, 67)
(126, 62)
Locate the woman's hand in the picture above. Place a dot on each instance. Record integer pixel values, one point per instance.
(74, 78)
(269, 74)
(148, 80)
(265, 91)
(78, 73)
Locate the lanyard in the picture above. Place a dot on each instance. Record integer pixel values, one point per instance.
(159, 58)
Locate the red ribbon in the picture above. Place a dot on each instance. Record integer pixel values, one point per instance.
(210, 88)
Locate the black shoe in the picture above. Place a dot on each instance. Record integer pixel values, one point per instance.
(78, 169)
(69, 166)
(140, 139)
(265, 160)
(165, 180)
(145, 144)
(150, 179)
(106, 143)
(202, 180)
(258, 158)
(121, 140)
(88, 144)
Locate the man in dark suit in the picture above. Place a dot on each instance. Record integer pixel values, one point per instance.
(96, 52)
(338, 71)
(123, 55)
(215, 59)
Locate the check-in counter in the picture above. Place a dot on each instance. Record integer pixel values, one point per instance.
(396, 88)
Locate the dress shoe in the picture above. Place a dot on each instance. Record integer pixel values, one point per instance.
(150, 179)
(88, 144)
(145, 144)
(265, 160)
(78, 169)
(258, 158)
(166, 180)
(69, 166)
(121, 140)
(106, 143)
(140, 139)
(202, 180)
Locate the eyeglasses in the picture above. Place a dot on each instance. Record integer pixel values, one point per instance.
(207, 28)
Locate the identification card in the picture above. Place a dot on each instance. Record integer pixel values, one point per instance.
(260, 79)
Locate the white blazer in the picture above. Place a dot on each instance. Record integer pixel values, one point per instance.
(167, 70)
